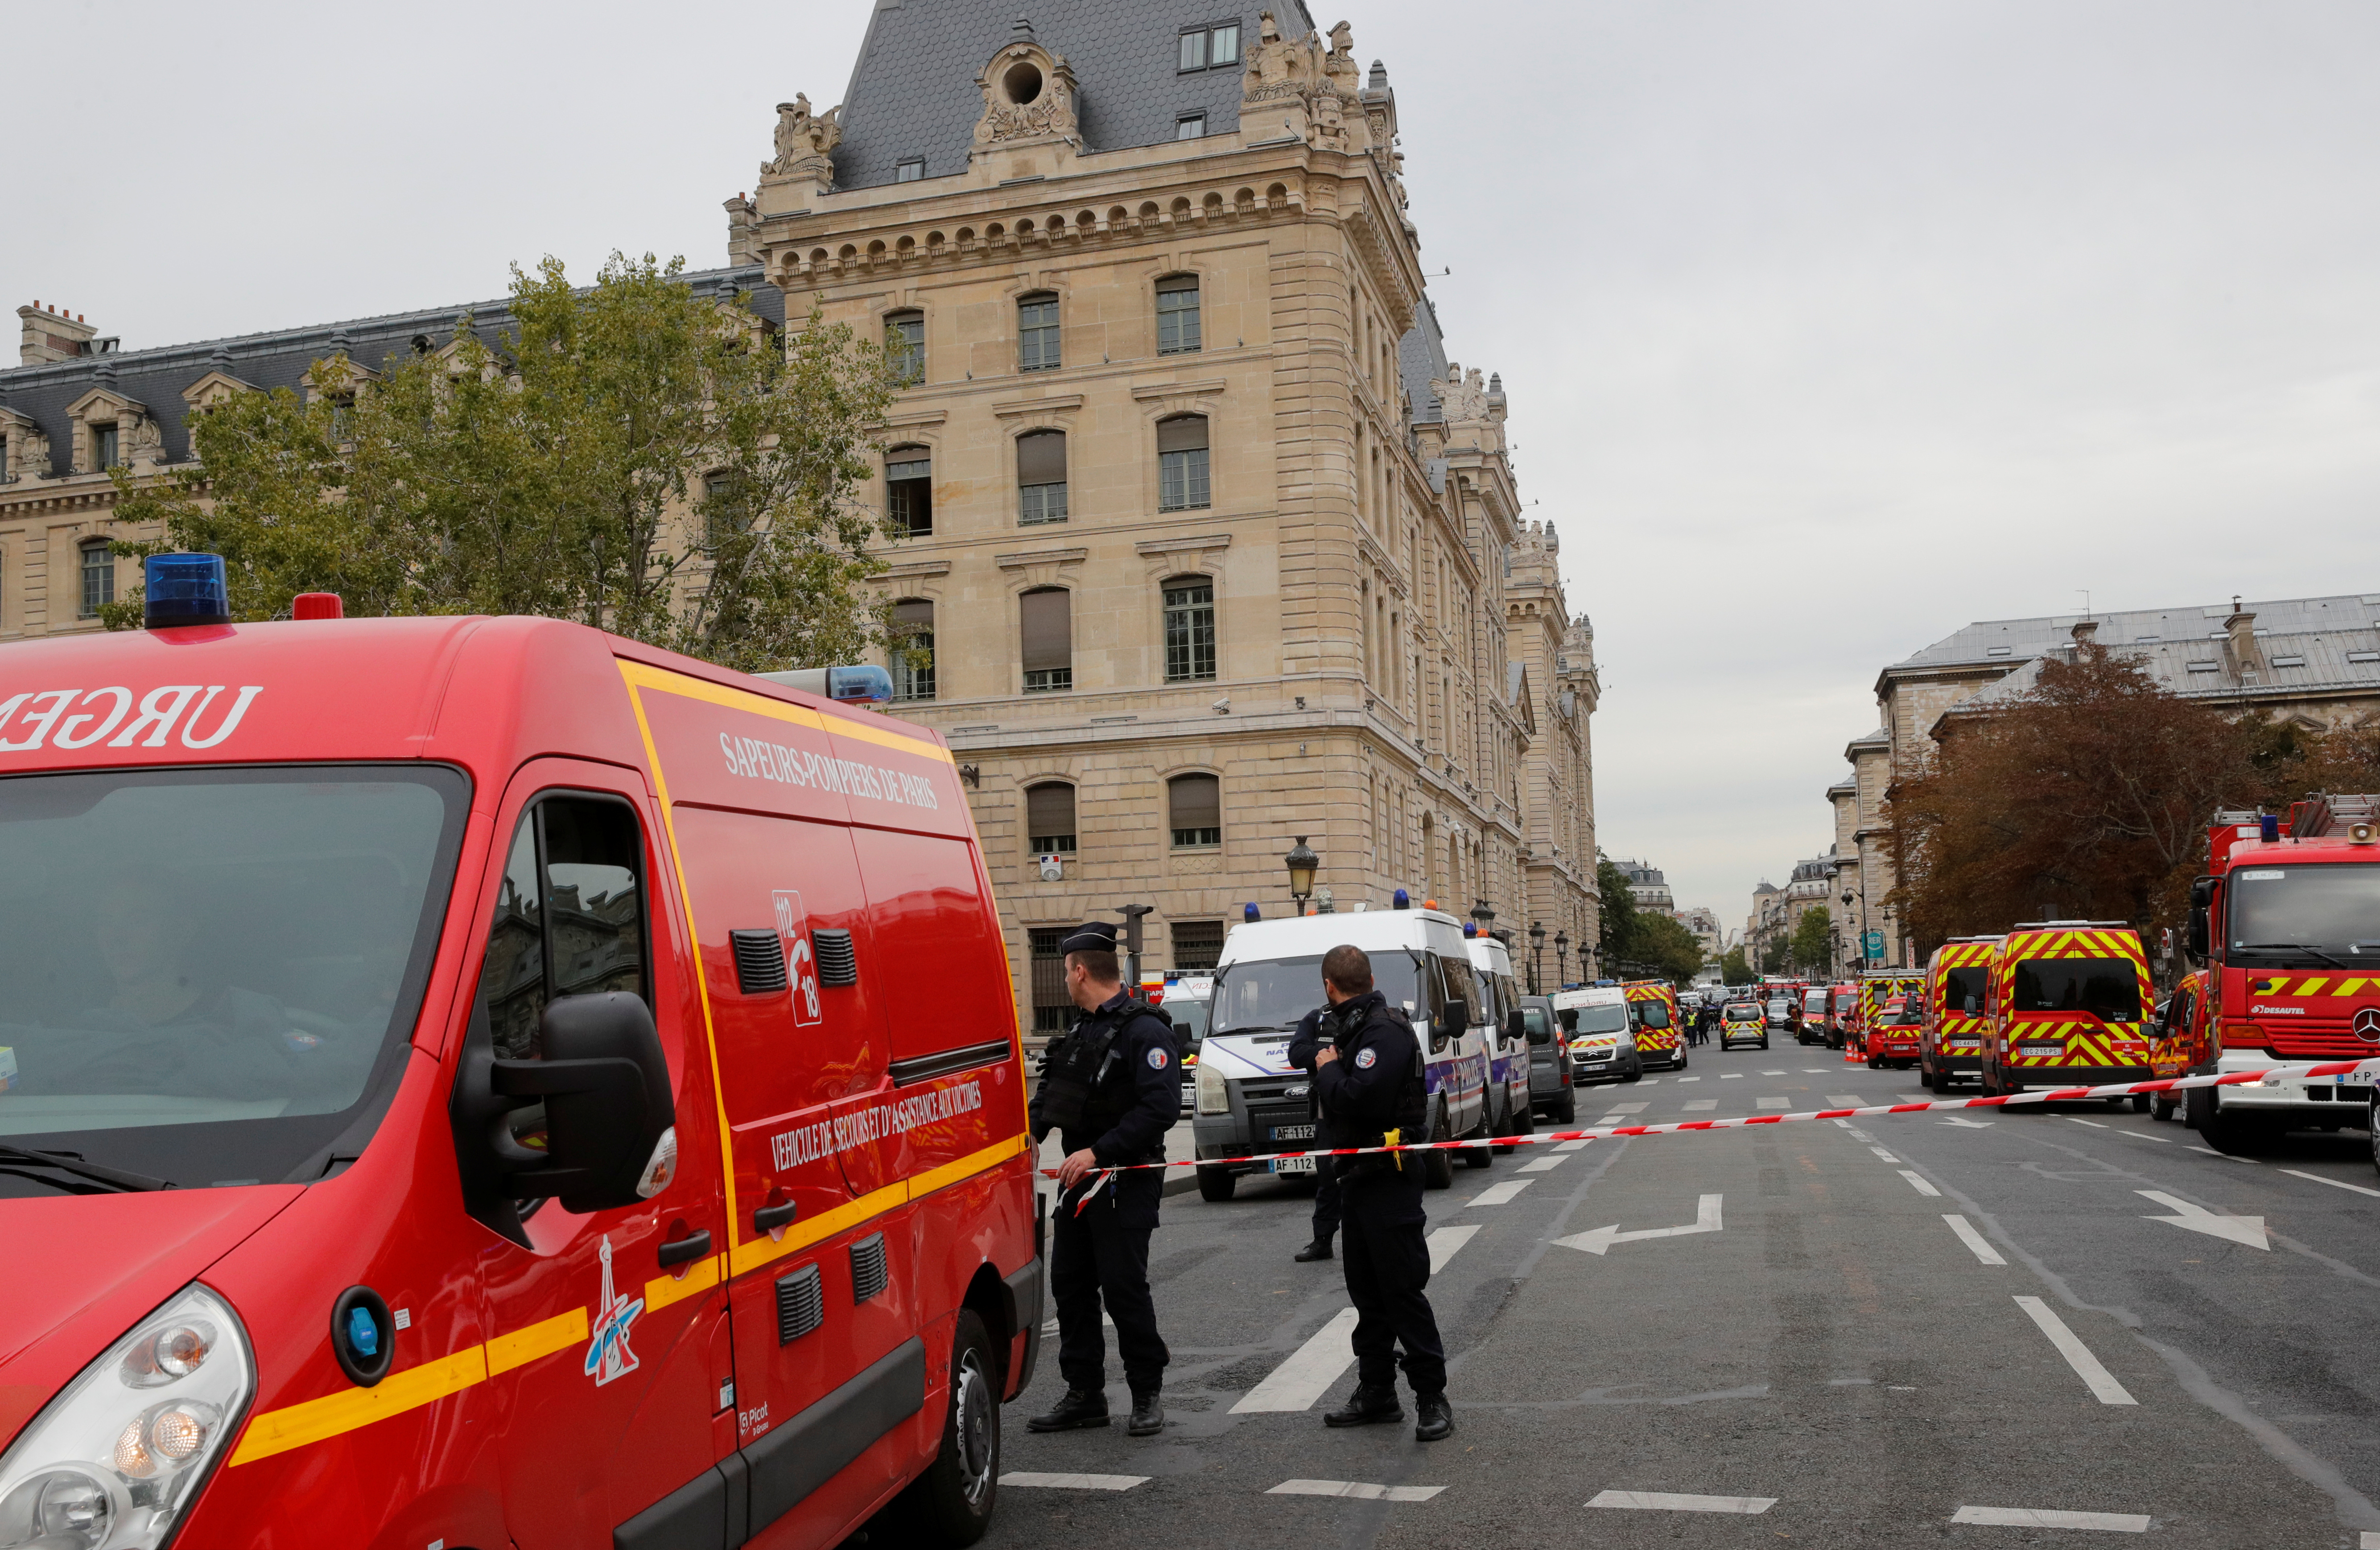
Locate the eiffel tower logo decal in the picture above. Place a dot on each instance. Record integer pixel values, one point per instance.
(608, 1355)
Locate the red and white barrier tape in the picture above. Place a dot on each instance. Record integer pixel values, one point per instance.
(2368, 1069)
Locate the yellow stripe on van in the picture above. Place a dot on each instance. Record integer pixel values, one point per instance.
(763, 1250)
(318, 1420)
(642, 677)
(524, 1346)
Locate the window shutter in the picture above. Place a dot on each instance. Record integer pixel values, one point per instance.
(1197, 802)
(1048, 636)
(1183, 433)
(914, 613)
(1041, 457)
(1049, 809)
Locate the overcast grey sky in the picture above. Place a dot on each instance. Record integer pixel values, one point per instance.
(1828, 326)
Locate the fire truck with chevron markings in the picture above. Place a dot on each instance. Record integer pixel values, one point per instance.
(2286, 922)
(1957, 979)
(2067, 1006)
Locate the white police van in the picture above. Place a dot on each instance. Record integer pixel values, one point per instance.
(1252, 1101)
(1602, 1046)
(1507, 1039)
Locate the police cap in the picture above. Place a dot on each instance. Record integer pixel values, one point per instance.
(1094, 936)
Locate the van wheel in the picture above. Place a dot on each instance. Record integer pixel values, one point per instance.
(1565, 1112)
(1217, 1183)
(1437, 1168)
(2163, 1108)
(2235, 1134)
(952, 1502)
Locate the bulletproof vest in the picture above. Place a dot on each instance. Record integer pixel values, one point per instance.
(1412, 1114)
(1087, 1087)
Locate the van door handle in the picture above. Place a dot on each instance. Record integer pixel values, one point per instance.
(694, 1245)
(769, 1218)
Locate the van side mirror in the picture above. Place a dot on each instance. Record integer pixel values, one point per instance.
(1453, 1022)
(1515, 1027)
(2199, 937)
(610, 1122)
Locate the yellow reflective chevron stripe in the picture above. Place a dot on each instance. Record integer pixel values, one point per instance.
(315, 1420)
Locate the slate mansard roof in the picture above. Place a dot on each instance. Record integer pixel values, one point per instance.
(157, 378)
(913, 95)
(2013, 640)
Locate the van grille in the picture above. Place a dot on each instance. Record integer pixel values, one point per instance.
(801, 1305)
(759, 962)
(838, 964)
(867, 1276)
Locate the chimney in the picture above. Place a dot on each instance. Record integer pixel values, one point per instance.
(51, 334)
(2086, 633)
(2241, 646)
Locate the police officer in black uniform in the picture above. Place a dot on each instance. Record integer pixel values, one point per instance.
(1370, 1078)
(1111, 1088)
(1303, 1048)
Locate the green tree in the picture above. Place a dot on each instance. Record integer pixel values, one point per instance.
(631, 456)
(1618, 925)
(1733, 969)
(1665, 948)
(1814, 940)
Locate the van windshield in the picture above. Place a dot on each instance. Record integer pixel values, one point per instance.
(2331, 909)
(1597, 1020)
(205, 970)
(2108, 988)
(1270, 995)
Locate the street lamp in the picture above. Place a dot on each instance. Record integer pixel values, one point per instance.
(1561, 950)
(1302, 864)
(1482, 916)
(1536, 955)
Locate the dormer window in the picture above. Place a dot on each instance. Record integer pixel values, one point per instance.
(1206, 48)
(103, 447)
(1190, 125)
(910, 171)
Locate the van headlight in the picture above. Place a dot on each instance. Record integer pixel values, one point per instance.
(114, 1460)
(1214, 1096)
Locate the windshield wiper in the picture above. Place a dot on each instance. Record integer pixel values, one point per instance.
(2292, 946)
(115, 1180)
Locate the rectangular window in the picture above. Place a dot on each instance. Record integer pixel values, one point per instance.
(909, 171)
(98, 578)
(1052, 1005)
(904, 348)
(723, 513)
(1181, 464)
(1223, 43)
(102, 447)
(1036, 334)
(1190, 125)
(1046, 628)
(1040, 477)
(1190, 633)
(909, 490)
(1194, 49)
(1177, 315)
(1197, 816)
(1197, 944)
(913, 650)
(1049, 819)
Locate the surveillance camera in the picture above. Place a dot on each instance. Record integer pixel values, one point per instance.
(1224, 705)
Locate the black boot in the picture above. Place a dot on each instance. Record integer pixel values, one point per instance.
(1148, 1416)
(1365, 1406)
(1433, 1417)
(1081, 1407)
(1318, 1249)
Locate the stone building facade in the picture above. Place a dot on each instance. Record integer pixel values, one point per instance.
(1214, 546)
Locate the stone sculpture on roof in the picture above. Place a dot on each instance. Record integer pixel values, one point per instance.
(1028, 95)
(805, 143)
(1315, 90)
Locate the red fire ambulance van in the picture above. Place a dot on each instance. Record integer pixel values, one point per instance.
(467, 1084)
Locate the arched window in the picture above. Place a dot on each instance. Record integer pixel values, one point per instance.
(909, 490)
(1046, 632)
(1189, 630)
(1182, 483)
(1036, 332)
(1049, 819)
(1040, 477)
(904, 346)
(1177, 315)
(912, 649)
(1195, 811)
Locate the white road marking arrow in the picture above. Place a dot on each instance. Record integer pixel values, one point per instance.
(1600, 1240)
(1966, 1124)
(2197, 1218)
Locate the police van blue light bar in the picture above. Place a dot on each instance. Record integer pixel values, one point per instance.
(180, 589)
(861, 683)
(1402, 900)
(1251, 913)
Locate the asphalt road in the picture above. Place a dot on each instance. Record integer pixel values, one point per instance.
(1836, 1363)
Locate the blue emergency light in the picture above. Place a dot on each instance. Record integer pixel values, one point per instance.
(1402, 900)
(2270, 824)
(864, 682)
(1251, 913)
(1471, 928)
(179, 589)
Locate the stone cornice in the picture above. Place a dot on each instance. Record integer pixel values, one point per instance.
(1058, 404)
(1025, 558)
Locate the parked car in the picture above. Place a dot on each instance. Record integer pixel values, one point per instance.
(1553, 1091)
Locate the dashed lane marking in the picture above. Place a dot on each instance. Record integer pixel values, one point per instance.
(2371, 1540)
(2224, 1155)
(1772, 1103)
(2337, 1184)
(1859, 1134)
(1669, 1501)
(1073, 1481)
(1920, 1185)
(1354, 1490)
(1502, 1195)
(2093, 1123)
(1690, 1079)
(1846, 1124)
(1573, 1146)
(1973, 1239)
(1541, 1165)
(1772, 1073)
(1700, 1105)
(1731, 1076)
(1844, 1100)
(2101, 1382)
(1630, 1107)
(2050, 1518)
(1655, 1080)
(1885, 1154)
(1312, 1368)
(1966, 1124)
